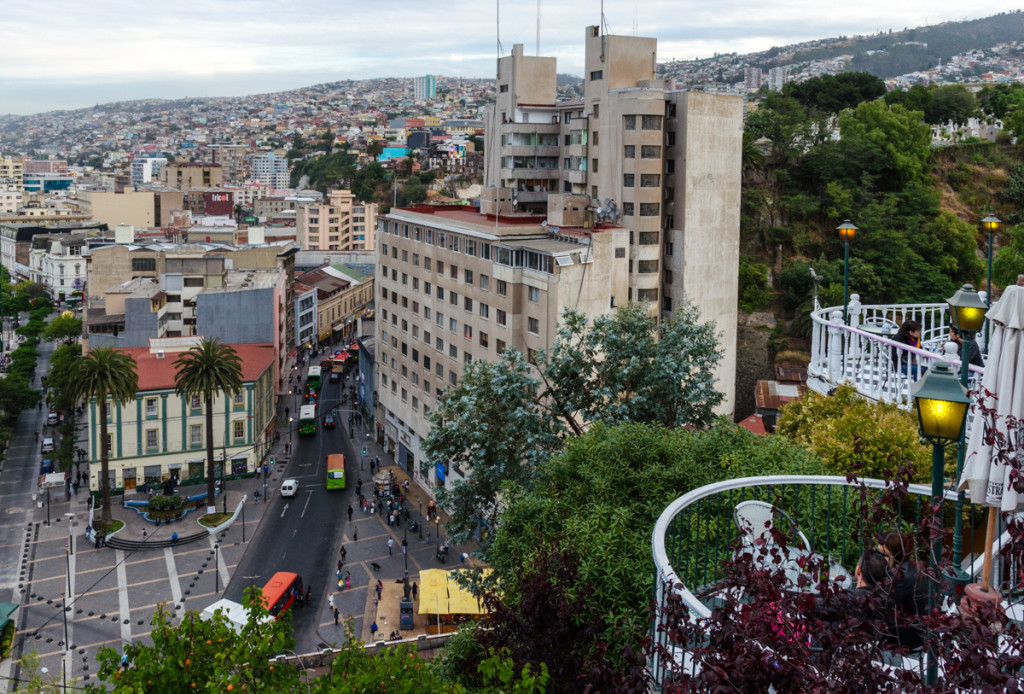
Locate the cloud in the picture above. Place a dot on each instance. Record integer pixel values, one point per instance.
(47, 54)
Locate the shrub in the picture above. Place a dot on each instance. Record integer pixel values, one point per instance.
(6, 640)
(852, 435)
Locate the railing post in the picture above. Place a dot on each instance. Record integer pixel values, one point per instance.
(835, 348)
(854, 316)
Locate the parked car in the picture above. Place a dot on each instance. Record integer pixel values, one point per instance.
(53, 417)
(289, 487)
(46, 466)
(335, 377)
(47, 446)
(329, 421)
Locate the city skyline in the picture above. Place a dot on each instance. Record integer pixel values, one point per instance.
(116, 50)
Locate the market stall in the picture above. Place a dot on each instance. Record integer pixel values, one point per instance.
(448, 603)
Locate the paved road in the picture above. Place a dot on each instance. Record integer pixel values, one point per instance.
(302, 534)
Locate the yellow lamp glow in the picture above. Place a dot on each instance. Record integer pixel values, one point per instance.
(967, 310)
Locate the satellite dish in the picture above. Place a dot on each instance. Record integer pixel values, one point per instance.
(607, 201)
(554, 230)
(544, 224)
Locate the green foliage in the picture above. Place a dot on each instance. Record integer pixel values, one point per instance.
(6, 639)
(63, 327)
(833, 93)
(206, 369)
(427, 177)
(755, 293)
(1008, 262)
(164, 503)
(951, 103)
(605, 493)
(326, 171)
(372, 183)
(104, 372)
(200, 654)
(414, 192)
(629, 367)
(854, 436)
(492, 427)
(901, 135)
(63, 365)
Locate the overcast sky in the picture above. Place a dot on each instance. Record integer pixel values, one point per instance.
(62, 54)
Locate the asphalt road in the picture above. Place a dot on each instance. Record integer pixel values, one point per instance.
(302, 534)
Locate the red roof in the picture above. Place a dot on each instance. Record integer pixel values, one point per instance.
(754, 423)
(158, 374)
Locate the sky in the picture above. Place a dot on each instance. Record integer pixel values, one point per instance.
(63, 54)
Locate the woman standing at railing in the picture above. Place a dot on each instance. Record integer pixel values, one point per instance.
(910, 335)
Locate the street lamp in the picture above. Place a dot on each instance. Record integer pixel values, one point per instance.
(71, 531)
(846, 230)
(437, 531)
(942, 405)
(990, 224)
(967, 313)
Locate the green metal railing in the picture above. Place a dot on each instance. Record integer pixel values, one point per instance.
(697, 534)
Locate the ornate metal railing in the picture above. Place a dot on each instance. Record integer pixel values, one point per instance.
(864, 355)
(696, 534)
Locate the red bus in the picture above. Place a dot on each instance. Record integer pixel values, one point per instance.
(280, 592)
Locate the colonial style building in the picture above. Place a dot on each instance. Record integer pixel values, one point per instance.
(160, 435)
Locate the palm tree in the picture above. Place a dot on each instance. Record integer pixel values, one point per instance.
(103, 372)
(208, 367)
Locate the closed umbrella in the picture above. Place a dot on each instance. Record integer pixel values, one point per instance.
(994, 449)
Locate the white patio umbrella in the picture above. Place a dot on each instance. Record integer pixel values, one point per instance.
(994, 449)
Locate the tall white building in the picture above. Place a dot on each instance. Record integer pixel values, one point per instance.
(425, 87)
(270, 169)
(751, 78)
(146, 169)
(777, 77)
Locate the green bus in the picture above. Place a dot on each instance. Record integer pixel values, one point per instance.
(313, 381)
(307, 419)
(336, 471)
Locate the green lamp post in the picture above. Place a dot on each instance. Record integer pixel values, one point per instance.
(942, 405)
(846, 230)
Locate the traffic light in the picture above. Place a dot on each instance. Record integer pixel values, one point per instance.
(364, 450)
(271, 460)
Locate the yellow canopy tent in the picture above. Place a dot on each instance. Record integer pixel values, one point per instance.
(441, 595)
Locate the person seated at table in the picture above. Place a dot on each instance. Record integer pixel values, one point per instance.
(973, 350)
(907, 593)
(909, 334)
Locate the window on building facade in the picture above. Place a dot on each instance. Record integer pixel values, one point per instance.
(629, 122)
(627, 180)
(484, 310)
(534, 294)
(629, 152)
(533, 325)
(151, 439)
(650, 123)
(627, 209)
(502, 317)
(195, 435)
(502, 288)
(239, 430)
(485, 282)
(650, 209)
(648, 180)
(151, 407)
(650, 151)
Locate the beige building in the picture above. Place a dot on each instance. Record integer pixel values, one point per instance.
(456, 286)
(185, 175)
(665, 164)
(160, 435)
(12, 172)
(341, 295)
(340, 224)
(143, 209)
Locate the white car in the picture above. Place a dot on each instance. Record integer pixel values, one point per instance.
(289, 487)
(47, 446)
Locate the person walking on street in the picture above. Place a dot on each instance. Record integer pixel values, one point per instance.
(343, 553)
(335, 616)
(391, 544)
(405, 545)
(330, 601)
(415, 590)
(340, 564)
(348, 580)
(355, 533)
(350, 513)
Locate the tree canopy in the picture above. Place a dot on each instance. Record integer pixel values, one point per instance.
(500, 422)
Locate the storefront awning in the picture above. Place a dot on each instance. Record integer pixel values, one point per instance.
(441, 594)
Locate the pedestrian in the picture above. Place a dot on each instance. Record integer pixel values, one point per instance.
(365, 506)
(380, 588)
(350, 513)
(405, 545)
(407, 486)
(355, 533)
(373, 629)
(348, 580)
(344, 552)
(415, 590)
(373, 506)
(309, 596)
(391, 544)
(143, 534)
(335, 616)
(330, 601)
(391, 519)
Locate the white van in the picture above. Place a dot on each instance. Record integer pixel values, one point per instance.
(47, 446)
(52, 418)
(289, 487)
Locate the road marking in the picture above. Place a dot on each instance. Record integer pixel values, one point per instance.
(122, 597)
(172, 574)
(303, 514)
(284, 510)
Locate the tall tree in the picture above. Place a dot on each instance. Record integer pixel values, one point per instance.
(104, 372)
(208, 368)
(492, 426)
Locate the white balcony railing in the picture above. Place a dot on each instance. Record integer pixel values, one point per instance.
(864, 355)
